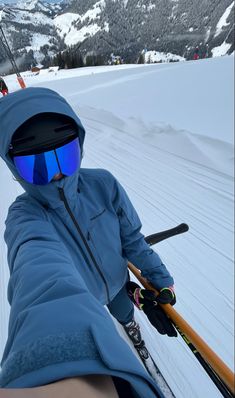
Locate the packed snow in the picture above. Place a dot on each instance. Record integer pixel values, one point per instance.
(166, 132)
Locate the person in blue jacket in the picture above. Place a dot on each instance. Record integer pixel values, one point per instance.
(69, 238)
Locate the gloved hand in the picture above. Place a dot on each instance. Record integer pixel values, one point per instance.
(147, 301)
(166, 296)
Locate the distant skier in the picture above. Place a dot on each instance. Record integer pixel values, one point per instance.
(3, 87)
(69, 238)
(196, 54)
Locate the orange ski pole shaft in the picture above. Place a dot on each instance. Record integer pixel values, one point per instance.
(21, 81)
(219, 367)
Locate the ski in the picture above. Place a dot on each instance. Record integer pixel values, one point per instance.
(153, 370)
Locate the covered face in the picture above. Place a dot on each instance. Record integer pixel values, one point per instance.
(45, 148)
(26, 108)
(41, 137)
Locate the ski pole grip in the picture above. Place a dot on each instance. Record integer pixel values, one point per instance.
(206, 352)
(159, 236)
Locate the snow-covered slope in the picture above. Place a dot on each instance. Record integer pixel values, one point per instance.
(166, 132)
(75, 28)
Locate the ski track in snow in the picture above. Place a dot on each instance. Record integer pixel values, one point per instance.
(171, 176)
(149, 174)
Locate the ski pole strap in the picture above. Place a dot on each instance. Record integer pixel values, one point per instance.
(137, 296)
(209, 358)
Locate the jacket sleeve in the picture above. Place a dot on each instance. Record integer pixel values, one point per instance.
(57, 329)
(49, 300)
(134, 246)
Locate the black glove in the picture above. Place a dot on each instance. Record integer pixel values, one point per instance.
(147, 301)
(166, 296)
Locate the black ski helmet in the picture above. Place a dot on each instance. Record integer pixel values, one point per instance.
(43, 132)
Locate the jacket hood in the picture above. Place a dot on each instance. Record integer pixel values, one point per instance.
(15, 109)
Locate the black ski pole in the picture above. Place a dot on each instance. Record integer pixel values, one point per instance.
(209, 370)
(159, 236)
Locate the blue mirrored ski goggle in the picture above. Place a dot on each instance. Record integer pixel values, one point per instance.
(40, 168)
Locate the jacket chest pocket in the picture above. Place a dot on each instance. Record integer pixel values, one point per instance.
(103, 234)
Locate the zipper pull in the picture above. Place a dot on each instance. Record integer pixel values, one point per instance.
(61, 194)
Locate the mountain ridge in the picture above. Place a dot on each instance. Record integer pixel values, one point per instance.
(37, 30)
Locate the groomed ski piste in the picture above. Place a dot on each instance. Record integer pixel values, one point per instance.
(166, 132)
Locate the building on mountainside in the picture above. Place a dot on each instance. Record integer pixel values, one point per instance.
(36, 69)
(115, 60)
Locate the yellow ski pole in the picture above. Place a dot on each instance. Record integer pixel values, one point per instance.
(218, 371)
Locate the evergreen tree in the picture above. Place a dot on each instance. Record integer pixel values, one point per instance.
(141, 59)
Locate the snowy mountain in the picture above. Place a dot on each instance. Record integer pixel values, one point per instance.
(172, 149)
(122, 27)
(30, 30)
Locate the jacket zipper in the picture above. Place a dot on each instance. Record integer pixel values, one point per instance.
(64, 200)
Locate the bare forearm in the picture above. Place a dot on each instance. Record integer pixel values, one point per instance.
(92, 386)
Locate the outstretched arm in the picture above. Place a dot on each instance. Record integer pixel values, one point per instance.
(57, 328)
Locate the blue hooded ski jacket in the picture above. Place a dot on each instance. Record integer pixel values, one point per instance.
(68, 245)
